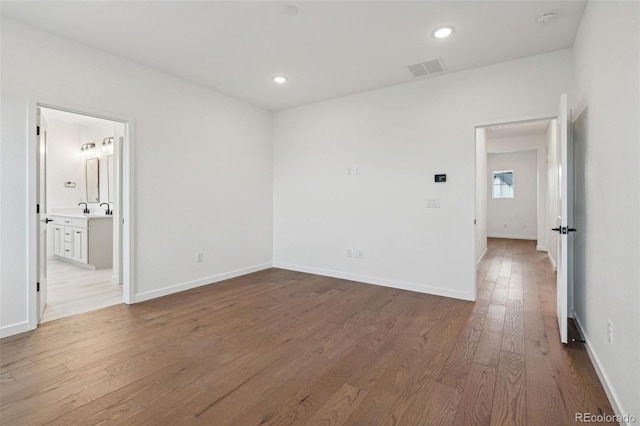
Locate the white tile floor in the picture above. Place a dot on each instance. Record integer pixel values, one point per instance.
(72, 290)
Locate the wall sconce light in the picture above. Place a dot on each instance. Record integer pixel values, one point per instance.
(107, 145)
(88, 150)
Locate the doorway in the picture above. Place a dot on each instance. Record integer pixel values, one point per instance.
(557, 208)
(82, 269)
(512, 186)
(80, 182)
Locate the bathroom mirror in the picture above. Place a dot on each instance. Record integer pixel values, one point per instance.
(93, 181)
(110, 177)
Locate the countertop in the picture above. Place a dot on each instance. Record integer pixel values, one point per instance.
(83, 215)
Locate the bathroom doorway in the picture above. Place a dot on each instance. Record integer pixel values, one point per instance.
(80, 207)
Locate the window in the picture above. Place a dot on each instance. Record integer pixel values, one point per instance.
(503, 184)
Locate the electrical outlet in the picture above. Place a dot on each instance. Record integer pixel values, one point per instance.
(433, 203)
(349, 170)
(358, 254)
(356, 170)
(199, 257)
(349, 253)
(609, 332)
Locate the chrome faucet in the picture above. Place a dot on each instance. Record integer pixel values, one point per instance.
(86, 208)
(108, 212)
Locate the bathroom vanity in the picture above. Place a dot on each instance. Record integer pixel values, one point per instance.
(83, 239)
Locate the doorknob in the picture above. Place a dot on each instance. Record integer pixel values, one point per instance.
(564, 230)
(47, 220)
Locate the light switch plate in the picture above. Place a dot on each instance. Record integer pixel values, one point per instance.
(433, 203)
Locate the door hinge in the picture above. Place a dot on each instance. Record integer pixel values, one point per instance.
(37, 208)
(37, 130)
(38, 286)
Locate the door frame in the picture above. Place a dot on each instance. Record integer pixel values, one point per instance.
(127, 198)
(487, 123)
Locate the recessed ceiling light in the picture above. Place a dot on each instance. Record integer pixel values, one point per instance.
(290, 10)
(443, 32)
(280, 79)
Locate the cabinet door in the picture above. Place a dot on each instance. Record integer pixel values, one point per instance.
(80, 246)
(58, 238)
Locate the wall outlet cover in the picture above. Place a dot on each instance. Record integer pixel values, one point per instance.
(433, 203)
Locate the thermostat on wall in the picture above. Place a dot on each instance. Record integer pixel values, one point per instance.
(441, 178)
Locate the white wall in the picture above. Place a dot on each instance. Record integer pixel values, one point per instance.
(529, 142)
(400, 137)
(481, 192)
(203, 166)
(607, 81)
(64, 164)
(513, 217)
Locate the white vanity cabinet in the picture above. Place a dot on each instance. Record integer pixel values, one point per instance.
(86, 240)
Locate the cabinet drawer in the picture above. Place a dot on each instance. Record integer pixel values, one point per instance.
(80, 223)
(60, 220)
(68, 249)
(68, 234)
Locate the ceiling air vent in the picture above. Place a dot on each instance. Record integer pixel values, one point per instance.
(426, 68)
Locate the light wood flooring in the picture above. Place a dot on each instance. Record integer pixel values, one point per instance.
(280, 347)
(73, 290)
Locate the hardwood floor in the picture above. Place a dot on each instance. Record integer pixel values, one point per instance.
(281, 347)
(73, 290)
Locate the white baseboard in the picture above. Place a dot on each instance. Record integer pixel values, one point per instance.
(602, 375)
(10, 330)
(541, 248)
(513, 237)
(114, 279)
(419, 288)
(198, 283)
(480, 258)
(553, 263)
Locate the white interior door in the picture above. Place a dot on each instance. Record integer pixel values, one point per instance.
(564, 219)
(41, 194)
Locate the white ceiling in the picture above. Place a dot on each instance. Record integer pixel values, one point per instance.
(329, 49)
